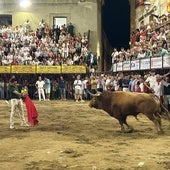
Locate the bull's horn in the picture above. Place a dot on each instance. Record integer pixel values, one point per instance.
(99, 92)
(93, 95)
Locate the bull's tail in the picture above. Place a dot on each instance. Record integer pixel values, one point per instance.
(165, 111)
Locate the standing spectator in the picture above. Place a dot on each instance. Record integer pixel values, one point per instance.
(70, 29)
(93, 83)
(54, 90)
(131, 83)
(150, 82)
(85, 85)
(114, 55)
(166, 92)
(108, 83)
(57, 33)
(138, 88)
(62, 88)
(78, 89)
(40, 87)
(162, 51)
(101, 83)
(146, 88)
(125, 82)
(47, 88)
(2, 85)
(87, 60)
(120, 78)
(42, 27)
(159, 86)
(16, 102)
(27, 27)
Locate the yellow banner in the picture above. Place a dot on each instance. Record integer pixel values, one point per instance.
(49, 69)
(5, 69)
(73, 69)
(23, 69)
(168, 6)
(29, 69)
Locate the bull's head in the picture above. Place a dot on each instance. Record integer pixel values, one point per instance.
(94, 102)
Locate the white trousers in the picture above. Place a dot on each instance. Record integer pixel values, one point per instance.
(125, 89)
(41, 92)
(17, 103)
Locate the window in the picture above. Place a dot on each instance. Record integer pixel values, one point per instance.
(6, 20)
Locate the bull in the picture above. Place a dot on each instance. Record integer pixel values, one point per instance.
(121, 104)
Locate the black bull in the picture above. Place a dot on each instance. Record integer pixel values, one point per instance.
(122, 104)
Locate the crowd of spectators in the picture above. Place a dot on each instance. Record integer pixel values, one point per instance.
(46, 45)
(149, 40)
(148, 82)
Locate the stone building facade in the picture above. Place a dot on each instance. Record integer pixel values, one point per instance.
(83, 14)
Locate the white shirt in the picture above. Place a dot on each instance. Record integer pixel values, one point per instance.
(152, 81)
(78, 84)
(40, 84)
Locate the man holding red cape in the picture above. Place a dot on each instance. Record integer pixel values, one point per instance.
(32, 113)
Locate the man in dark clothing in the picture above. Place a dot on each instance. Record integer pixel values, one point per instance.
(16, 102)
(70, 29)
(62, 88)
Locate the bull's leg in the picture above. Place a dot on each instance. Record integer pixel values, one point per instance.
(122, 122)
(122, 127)
(130, 128)
(157, 122)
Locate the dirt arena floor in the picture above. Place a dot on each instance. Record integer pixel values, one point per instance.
(72, 136)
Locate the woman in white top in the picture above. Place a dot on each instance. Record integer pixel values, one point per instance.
(78, 87)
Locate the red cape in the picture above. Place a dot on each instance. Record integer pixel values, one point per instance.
(32, 113)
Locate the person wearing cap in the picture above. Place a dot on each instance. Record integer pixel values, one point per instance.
(16, 102)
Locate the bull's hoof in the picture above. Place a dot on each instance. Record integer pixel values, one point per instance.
(129, 130)
(160, 132)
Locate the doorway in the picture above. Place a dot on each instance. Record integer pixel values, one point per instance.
(59, 21)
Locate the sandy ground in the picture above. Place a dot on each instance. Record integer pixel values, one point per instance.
(72, 136)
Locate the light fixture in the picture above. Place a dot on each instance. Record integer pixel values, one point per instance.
(25, 3)
(147, 5)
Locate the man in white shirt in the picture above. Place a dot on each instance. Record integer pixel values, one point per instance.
(114, 55)
(40, 87)
(151, 80)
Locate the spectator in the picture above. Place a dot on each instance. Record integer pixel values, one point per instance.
(40, 88)
(70, 29)
(47, 88)
(54, 90)
(93, 82)
(78, 89)
(62, 88)
(42, 25)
